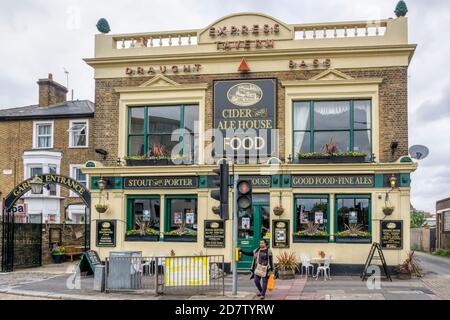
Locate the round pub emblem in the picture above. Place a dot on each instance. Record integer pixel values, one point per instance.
(106, 225)
(244, 94)
(214, 225)
(281, 225)
(391, 225)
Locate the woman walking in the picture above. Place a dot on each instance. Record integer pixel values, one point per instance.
(262, 267)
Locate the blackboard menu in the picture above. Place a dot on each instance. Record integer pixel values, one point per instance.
(88, 262)
(391, 234)
(93, 257)
(214, 234)
(280, 233)
(106, 233)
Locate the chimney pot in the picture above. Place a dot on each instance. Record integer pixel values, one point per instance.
(51, 92)
(50, 76)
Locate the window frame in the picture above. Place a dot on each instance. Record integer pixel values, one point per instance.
(351, 129)
(36, 124)
(352, 196)
(146, 134)
(295, 225)
(129, 212)
(72, 168)
(167, 214)
(71, 132)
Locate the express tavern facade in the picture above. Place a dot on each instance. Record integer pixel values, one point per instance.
(295, 89)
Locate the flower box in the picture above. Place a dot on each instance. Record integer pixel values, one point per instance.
(353, 239)
(149, 162)
(137, 238)
(58, 258)
(310, 239)
(329, 159)
(174, 238)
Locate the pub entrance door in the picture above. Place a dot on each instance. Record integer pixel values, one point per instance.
(253, 226)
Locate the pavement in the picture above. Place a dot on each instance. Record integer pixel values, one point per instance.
(56, 282)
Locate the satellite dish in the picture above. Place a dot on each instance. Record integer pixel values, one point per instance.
(419, 152)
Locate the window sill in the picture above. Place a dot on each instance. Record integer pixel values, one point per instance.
(153, 163)
(74, 147)
(321, 160)
(318, 239)
(169, 238)
(147, 238)
(364, 240)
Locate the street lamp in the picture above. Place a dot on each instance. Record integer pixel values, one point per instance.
(36, 185)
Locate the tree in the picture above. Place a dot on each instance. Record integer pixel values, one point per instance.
(401, 9)
(418, 219)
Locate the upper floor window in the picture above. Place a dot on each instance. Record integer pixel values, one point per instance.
(32, 170)
(78, 133)
(77, 175)
(163, 131)
(43, 135)
(345, 124)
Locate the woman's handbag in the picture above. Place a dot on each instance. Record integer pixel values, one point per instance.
(260, 270)
(271, 282)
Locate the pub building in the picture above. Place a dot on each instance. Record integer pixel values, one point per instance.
(315, 115)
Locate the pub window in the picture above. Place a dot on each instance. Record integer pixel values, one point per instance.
(143, 218)
(152, 129)
(348, 124)
(311, 218)
(181, 217)
(353, 218)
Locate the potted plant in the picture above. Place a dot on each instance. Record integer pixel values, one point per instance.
(354, 233)
(286, 265)
(101, 208)
(157, 156)
(182, 234)
(321, 254)
(388, 210)
(311, 233)
(145, 231)
(330, 154)
(278, 210)
(58, 254)
(409, 268)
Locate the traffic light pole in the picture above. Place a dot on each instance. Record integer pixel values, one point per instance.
(235, 234)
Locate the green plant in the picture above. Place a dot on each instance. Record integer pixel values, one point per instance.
(442, 252)
(312, 155)
(418, 219)
(182, 231)
(410, 266)
(58, 251)
(353, 230)
(100, 206)
(330, 148)
(388, 210)
(286, 261)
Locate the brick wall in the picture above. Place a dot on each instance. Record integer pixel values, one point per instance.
(17, 137)
(69, 234)
(393, 105)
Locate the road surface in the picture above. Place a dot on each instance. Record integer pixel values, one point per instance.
(433, 265)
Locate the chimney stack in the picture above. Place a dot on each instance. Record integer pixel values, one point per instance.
(51, 92)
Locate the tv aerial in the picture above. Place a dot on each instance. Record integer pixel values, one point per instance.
(419, 152)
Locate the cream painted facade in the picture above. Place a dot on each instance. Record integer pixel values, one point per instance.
(348, 45)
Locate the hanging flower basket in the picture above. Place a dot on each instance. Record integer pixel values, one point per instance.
(101, 208)
(278, 211)
(388, 211)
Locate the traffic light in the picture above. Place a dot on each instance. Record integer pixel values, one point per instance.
(244, 196)
(221, 180)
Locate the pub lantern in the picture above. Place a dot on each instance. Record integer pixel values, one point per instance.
(36, 185)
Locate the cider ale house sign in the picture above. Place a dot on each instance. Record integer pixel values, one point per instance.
(244, 114)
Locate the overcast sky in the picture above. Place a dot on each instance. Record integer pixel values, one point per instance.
(42, 36)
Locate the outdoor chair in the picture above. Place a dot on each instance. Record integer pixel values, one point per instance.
(306, 264)
(325, 269)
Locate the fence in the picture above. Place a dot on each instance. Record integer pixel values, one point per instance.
(423, 239)
(166, 275)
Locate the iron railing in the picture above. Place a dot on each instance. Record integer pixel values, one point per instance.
(166, 275)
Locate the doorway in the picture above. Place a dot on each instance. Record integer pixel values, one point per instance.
(253, 226)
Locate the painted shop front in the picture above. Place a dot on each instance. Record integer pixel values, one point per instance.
(314, 115)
